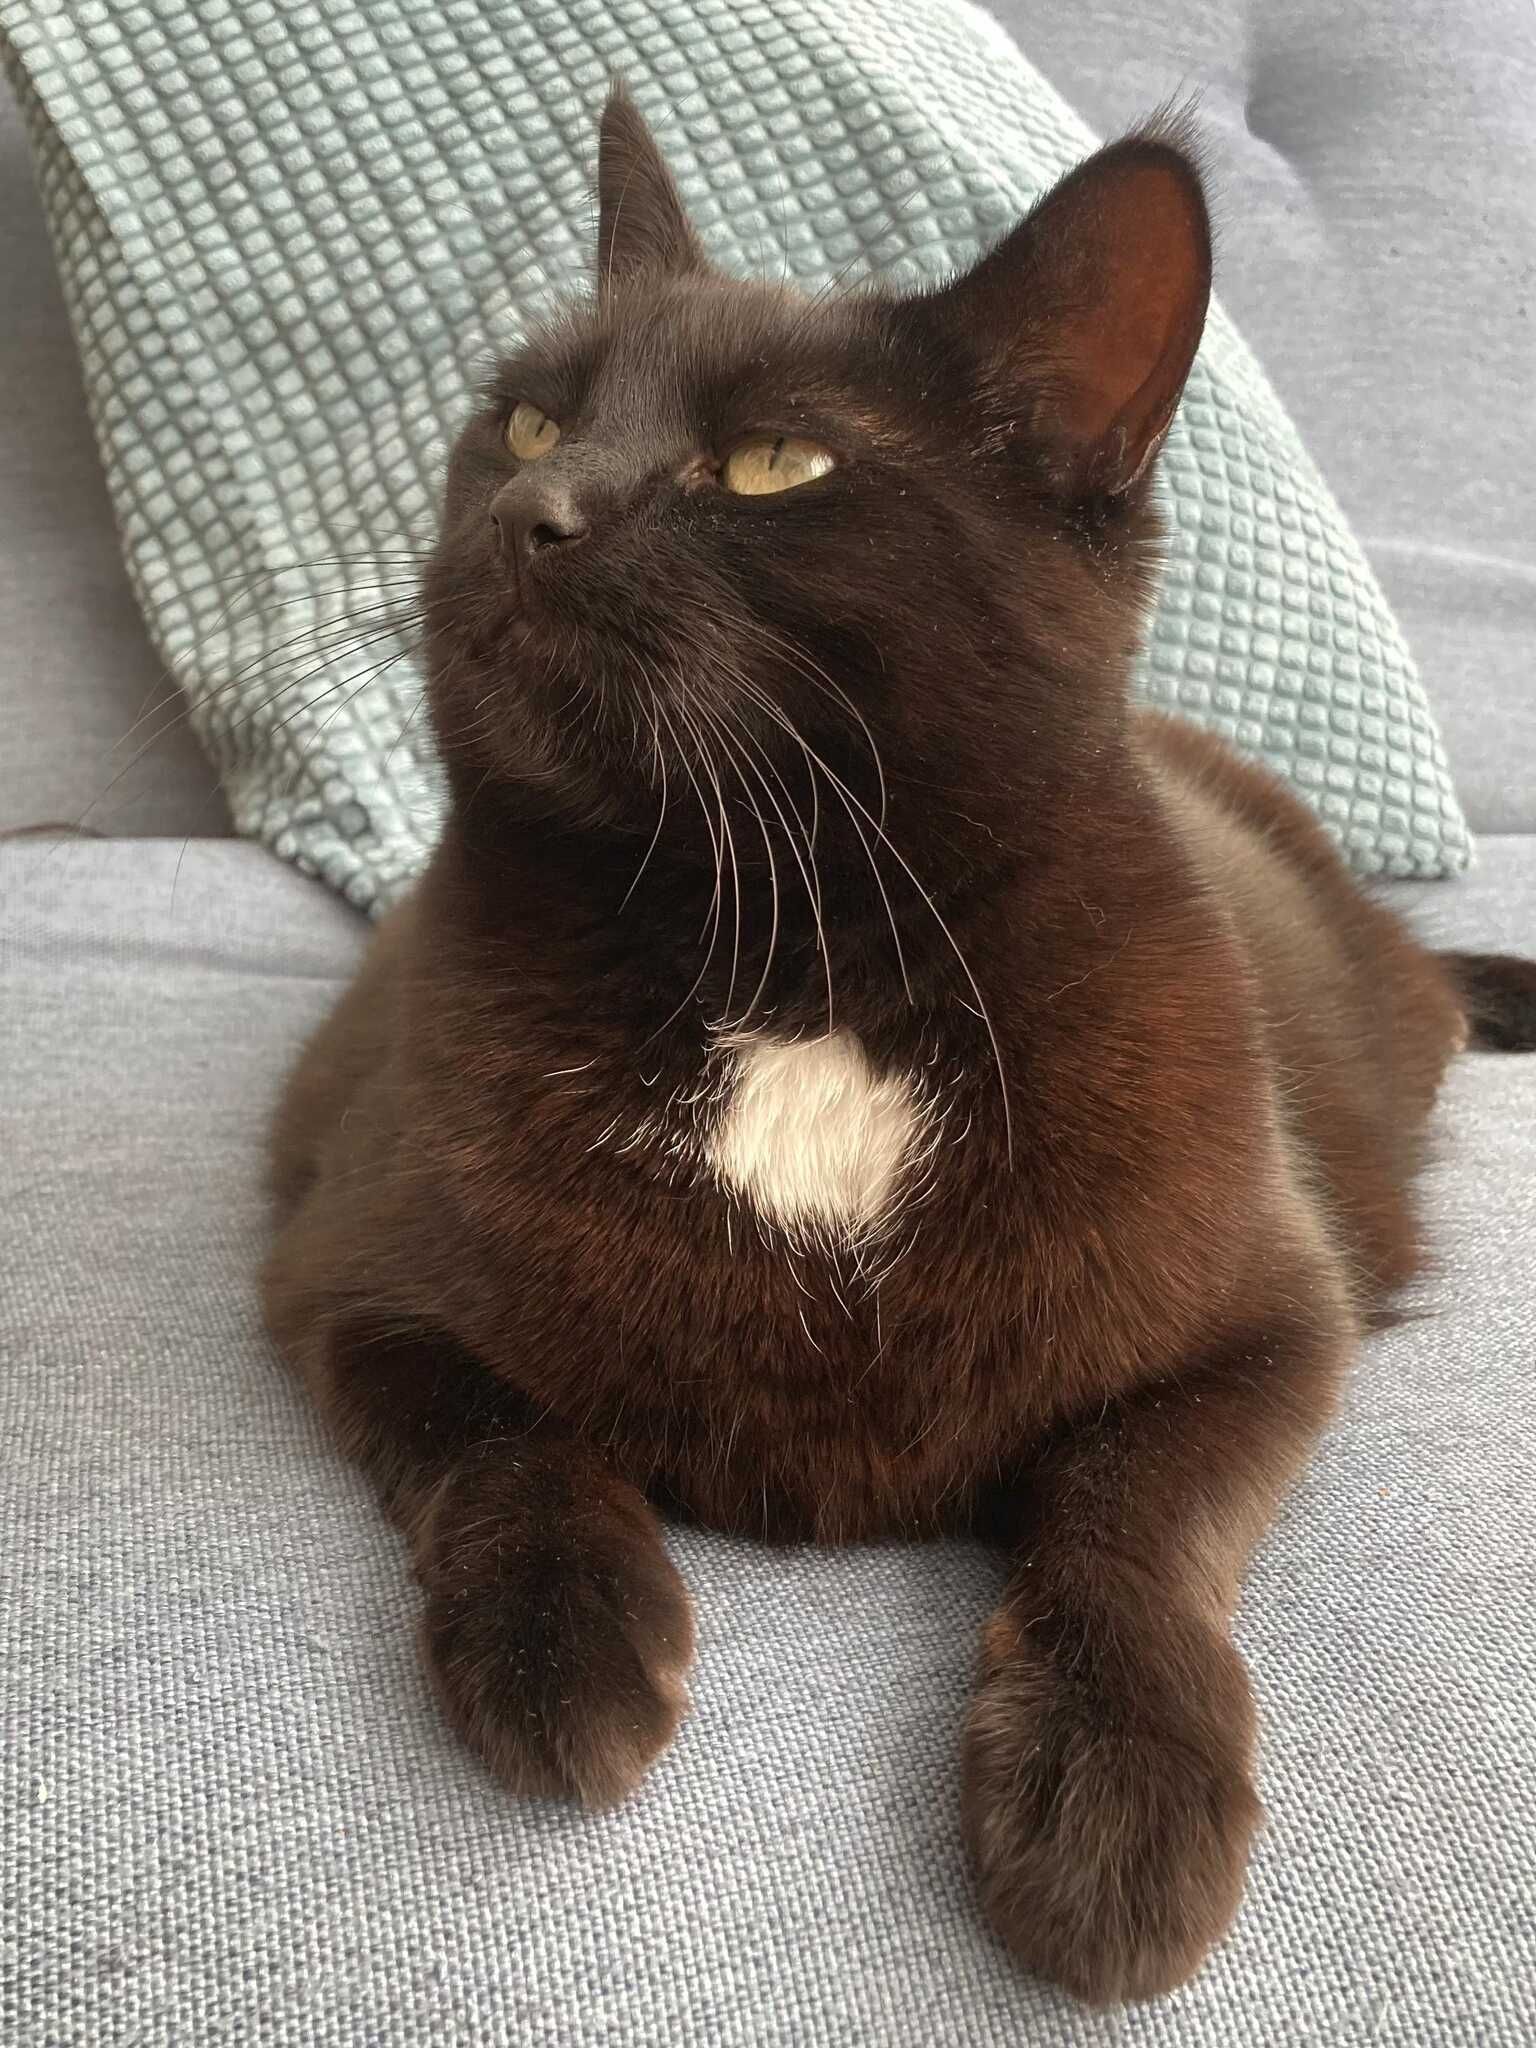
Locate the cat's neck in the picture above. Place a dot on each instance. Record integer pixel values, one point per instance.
(876, 926)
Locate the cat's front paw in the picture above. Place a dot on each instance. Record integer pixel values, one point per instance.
(560, 1652)
(1107, 1800)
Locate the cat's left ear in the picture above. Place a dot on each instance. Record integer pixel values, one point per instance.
(641, 225)
(1089, 313)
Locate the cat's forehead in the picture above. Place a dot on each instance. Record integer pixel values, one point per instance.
(663, 357)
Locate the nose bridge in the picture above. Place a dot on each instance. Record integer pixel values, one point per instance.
(587, 468)
(578, 477)
(603, 467)
(543, 490)
(599, 465)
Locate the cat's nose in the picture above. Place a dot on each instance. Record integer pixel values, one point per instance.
(533, 514)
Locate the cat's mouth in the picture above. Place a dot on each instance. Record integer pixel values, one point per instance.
(533, 587)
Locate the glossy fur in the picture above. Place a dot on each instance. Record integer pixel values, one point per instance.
(1166, 1067)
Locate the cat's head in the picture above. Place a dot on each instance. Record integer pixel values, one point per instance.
(697, 522)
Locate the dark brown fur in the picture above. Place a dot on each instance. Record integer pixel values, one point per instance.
(1181, 1137)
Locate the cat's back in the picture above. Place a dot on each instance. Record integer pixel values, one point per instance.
(1360, 1017)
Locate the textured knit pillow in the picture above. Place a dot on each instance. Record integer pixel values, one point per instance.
(290, 231)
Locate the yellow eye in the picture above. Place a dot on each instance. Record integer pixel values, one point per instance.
(775, 463)
(530, 433)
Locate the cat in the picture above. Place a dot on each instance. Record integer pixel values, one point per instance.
(845, 1074)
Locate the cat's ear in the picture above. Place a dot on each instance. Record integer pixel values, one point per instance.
(641, 225)
(1092, 309)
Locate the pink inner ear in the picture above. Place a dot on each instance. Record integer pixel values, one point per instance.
(1141, 269)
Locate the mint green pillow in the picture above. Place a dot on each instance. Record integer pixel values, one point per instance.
(290, 234)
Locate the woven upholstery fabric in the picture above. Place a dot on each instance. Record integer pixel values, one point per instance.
(290, 230)
(234, 1819)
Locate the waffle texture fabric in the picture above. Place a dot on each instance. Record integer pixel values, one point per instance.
(292, 231)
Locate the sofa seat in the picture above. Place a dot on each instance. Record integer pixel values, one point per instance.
(234, 1815)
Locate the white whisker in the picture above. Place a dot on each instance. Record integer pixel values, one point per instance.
(714, 930)
(840, 790)
(850, 802)
(810, 876)
(713, 725)
(706, 761)
(659, 763)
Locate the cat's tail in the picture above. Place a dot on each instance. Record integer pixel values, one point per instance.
(1499, 993)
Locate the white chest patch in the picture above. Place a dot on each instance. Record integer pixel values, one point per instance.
(810, 1135)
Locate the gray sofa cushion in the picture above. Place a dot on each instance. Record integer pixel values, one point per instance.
(1377, 171)
(234, 1816)
(76, 667)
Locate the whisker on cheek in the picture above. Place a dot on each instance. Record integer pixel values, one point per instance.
(809, 875)
(740, 1023)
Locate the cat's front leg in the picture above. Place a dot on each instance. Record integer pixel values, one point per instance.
(557, 1632)
(1108, 1797)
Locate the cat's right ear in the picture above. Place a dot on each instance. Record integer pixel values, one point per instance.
(1087, 316)
(642, 228)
